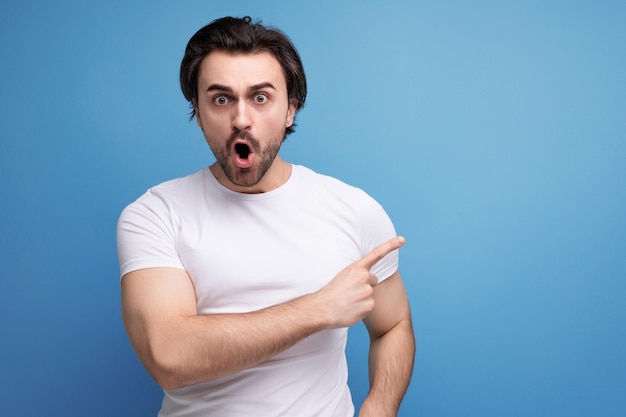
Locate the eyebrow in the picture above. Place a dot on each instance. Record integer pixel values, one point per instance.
(220, 87)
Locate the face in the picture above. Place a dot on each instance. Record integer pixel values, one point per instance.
(243, 111)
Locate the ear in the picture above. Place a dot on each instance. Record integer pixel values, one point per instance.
(291, 112)
(196, 112)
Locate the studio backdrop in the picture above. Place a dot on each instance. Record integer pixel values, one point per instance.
(493, 133)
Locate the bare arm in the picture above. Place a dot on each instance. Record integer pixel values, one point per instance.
(178, 347)
(392, 349)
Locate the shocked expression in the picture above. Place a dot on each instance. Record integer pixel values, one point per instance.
(243, 110)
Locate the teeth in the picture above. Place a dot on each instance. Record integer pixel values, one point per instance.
(243, 150)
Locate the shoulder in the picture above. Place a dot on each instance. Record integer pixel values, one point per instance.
(321, 182)
(160, 202)
(335, 190)
(174, 190)
(181, 188)
(357, 211)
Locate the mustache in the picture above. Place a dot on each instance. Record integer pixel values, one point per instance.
(243, 135)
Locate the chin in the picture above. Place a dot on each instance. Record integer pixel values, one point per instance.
(244, 177)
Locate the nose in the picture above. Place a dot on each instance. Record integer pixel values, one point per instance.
(241, 117)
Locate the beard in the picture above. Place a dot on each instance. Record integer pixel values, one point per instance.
(246, 177)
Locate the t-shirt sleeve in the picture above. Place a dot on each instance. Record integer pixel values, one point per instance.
(146, 236)
(377, 228)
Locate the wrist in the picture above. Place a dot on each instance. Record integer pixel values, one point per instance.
(313, 313)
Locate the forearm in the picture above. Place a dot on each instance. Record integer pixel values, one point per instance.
(391, 360)
(192, 349)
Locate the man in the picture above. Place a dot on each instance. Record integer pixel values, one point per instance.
(239, 281)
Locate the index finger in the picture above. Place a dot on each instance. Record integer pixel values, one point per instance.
(379, 252)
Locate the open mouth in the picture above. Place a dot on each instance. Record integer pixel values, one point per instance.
(243, 150)
(243, 154)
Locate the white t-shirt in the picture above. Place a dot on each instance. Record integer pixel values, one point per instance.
(245, 252)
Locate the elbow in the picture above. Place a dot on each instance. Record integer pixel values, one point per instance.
(166, 380)
(171, 368)
(164, 367)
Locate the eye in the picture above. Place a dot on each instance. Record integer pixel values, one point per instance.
(221, 100)
(260, 98)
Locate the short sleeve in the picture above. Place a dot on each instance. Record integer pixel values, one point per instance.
(146, 236)
(376, 229)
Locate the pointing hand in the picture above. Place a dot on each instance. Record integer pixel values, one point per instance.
(349, 296)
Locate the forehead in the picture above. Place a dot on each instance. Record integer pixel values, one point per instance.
(240, 70)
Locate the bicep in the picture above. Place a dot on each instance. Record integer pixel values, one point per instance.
(391, 308)
(152, 298)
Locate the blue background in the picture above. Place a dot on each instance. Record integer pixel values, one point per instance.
(493, 132)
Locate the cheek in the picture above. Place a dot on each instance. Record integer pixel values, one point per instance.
(216, 121)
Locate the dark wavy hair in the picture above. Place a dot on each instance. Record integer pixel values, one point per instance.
(236, 36)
